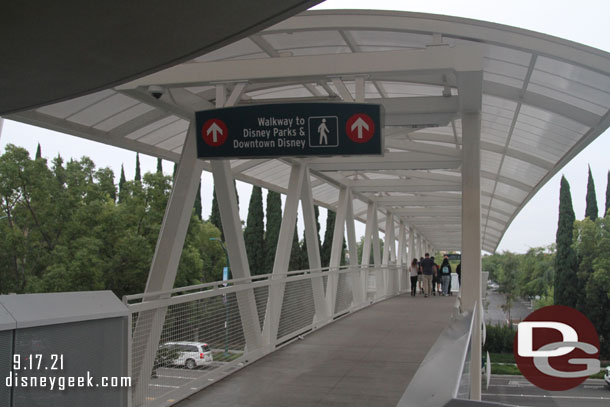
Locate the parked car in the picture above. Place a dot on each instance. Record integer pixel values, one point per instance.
(607, 376)
(190, 354)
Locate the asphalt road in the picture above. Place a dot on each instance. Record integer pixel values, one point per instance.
(517, 391)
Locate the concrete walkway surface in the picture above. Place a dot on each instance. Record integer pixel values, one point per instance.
(365, 359)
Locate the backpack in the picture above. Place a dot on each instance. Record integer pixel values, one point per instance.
(445, 270)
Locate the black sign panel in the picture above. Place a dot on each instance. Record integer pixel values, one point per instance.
(295, 129)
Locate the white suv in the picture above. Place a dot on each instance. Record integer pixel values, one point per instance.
(190, 354)
(607, 376)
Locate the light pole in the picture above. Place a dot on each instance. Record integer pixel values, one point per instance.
(228, 277)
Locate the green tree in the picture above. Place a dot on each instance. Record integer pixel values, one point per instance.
(591, 209)
(215, 215)
(254, 234)
(328, 238)
(159, 166)
(38, 152)
(272, 232)
(122, 182)
(197, 206)
(138, 176)
(566, 288)
(607, 195)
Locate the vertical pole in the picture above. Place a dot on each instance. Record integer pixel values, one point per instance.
(366, 248)
(335, 252)
(282, 255)
(471, 237)
(313, 249)
(379, 287)
(354, 276)
(388, 251)
(400, 260)
(236, 249)
(165, 261)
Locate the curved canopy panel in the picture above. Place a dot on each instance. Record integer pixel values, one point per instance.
(541, 99)
(53, 51)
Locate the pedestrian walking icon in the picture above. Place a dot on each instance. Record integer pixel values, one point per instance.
(323, 131)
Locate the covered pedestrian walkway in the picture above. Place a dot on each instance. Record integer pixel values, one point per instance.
(477, 117)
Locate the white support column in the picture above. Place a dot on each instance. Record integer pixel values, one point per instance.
(379, 287)
(236, 249)
(282, 255)
(165, 261)
(313, 249)
(471, 237)
(412, 255)
(335, 252)
(388, 248)
(403, 282)
(366, 247)
(352, 245)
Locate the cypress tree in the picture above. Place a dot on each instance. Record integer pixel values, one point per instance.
(566, 279)
(607, 195)
(296, 262)
(122, 181)
(254, 235)
(174, 173)
(197, 206)
(215, 215)
(272, 233)
(328, 238)
(160, 166)
(591, 210)
(138, 176)
(38, 152)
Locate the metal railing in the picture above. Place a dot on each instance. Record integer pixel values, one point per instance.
(230, 321)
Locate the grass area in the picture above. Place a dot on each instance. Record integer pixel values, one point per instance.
(504, 369)
(504, 363)
(502, 357)
(220, 356)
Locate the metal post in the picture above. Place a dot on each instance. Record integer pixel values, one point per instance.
(313, 249)
(282, 255)
(355, 280)
(400, 259)
(471, 237)
(224, 248)
(335, 252)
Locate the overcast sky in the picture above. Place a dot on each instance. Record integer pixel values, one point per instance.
(584, 21)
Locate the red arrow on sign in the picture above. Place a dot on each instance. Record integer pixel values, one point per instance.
(214, 132)
(360, 128)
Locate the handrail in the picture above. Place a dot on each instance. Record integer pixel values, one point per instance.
(444, 362)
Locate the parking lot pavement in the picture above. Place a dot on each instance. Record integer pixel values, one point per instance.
(170, 380)
(494, 314)
(517, 391)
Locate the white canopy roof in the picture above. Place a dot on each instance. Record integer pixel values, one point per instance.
(542, 100)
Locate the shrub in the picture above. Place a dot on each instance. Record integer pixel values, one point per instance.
(499, 339)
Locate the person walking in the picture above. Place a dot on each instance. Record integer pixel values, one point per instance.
(427, 266)
(458, 270)
(445, 275)
(413, 273)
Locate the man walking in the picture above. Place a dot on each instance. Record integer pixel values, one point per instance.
(428, 270)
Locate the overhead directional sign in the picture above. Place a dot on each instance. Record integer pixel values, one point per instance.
(296, 129)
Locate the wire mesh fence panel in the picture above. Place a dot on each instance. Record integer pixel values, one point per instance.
(261, 295)
(298, 307)
(344, 292)
(205, 331)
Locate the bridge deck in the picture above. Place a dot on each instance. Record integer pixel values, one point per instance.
(365, 359)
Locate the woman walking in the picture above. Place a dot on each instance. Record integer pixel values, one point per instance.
(413, 274)
(445, 273)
